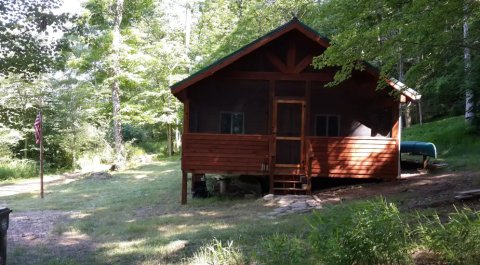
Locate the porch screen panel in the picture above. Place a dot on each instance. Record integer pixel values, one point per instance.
(288, 152)
(289, 120)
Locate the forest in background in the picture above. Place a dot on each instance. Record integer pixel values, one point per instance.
(104, 72)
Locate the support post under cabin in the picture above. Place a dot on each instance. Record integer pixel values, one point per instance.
(184, 187)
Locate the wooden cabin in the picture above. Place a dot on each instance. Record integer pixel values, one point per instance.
(265, 111)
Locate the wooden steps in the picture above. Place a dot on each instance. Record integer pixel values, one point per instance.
(290, 184)
(286, 181)
(290, 189)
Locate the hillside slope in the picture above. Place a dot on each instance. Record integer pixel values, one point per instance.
(454, 145)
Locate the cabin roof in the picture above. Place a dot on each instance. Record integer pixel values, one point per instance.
(287, 27)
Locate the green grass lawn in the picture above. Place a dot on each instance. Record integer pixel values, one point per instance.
(454, 145)
(135, 217)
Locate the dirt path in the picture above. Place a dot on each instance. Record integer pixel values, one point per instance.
(34, 184)
(414, 191)
(44, 228)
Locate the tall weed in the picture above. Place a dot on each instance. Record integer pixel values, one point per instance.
(456, 241)
(18, 169)
(369, 233)
(282, 250)
(217, 253)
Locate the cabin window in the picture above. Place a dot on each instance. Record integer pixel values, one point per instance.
(231, 122)
(327, 125)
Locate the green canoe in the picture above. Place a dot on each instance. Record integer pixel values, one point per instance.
(418, 148)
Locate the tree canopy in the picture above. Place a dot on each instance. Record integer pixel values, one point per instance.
(106, 72)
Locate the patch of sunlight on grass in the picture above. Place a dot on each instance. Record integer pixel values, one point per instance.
(130, 243)
(140, 176)
(176, 245)
(128, 172)
(209, 213)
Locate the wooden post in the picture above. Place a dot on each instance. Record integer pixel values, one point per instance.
(308, 94)
(223, 186)
(397, 131)
(271, 132)
(271, 166)
(184, 186)
(186, 129)
(309, 185)
(308, 165)
(41, 149)
(270, 105)
(186, 116)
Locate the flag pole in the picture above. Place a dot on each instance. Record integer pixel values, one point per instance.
(41, 149)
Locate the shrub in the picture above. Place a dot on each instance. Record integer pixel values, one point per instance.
(280, 249)
(153, 147)
(132, 151)
(455, 241)
(216, 253)
(18, 169)
(369, 233)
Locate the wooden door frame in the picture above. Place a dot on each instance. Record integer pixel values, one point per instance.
(302, 135)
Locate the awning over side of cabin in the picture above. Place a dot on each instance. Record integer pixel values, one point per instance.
(409, 93)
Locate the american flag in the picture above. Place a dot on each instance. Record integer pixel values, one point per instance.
(37, 128)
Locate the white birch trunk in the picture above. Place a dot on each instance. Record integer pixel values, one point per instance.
(401, 74)
(469, 95)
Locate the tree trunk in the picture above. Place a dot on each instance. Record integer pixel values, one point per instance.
(469, 95)
(178, 140)
(25, 125)
(74, 153)
(114, 71)
(169, 141)
(408, 116)
(26, 147)
(420, 116)
(188, 15)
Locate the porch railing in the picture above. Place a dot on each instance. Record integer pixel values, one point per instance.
(359, 157)
(224, 153)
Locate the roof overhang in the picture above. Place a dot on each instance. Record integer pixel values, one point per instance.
(294, 24)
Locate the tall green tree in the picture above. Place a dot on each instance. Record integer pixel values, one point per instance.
(27, 46)
(115, 84)
(427, 35)
(110, 31)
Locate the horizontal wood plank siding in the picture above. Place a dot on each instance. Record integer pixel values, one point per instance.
(224, 153)
(353, 157)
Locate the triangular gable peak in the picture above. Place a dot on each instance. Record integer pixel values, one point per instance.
(289, 65)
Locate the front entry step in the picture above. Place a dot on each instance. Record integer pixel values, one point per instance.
(291, 184)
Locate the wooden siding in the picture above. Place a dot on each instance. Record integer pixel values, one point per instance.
(353, 157)
(224, 153)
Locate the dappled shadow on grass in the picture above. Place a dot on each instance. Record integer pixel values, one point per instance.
(136, 217)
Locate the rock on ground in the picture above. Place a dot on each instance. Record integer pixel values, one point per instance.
(290, 204)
